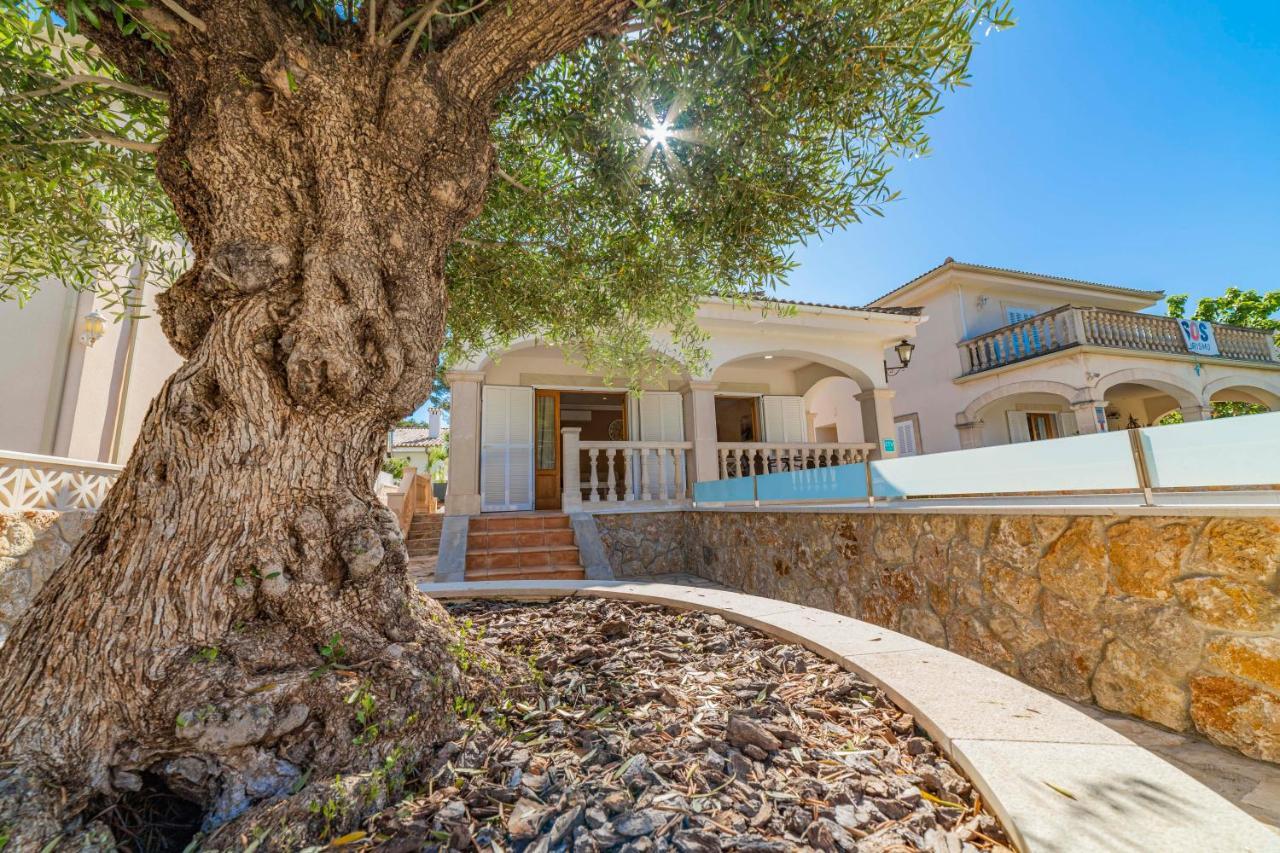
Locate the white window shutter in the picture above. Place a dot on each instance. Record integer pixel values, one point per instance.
(661, 419)
(784, 421)
(906, 432)
(1067, 424)
(506, 448)
(1019, 430)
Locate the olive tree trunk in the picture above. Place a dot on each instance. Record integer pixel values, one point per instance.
(242, 575)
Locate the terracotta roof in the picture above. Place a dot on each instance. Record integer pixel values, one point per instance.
(418, 437)
(1110, 288)
(908, 312)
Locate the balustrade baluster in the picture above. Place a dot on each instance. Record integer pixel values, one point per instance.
(628, 464)
(662, 474)
(678, 470)
(611, 494)
(646, 476)
(593, 456)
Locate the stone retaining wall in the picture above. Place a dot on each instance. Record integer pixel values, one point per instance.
(1172, 619)
(32, 545)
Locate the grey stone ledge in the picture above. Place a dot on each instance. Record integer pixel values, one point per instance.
(1057, 779)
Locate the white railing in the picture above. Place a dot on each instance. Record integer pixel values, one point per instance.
(29, 481)
(742, 459)
(1070, 326)
(624, 471)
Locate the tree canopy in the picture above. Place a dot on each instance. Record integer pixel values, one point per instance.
(675, 158)
(1235, 307)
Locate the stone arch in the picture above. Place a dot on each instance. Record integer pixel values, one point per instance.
(1171, 384)
(1031, 386)
(1267, 392)
(838, 366)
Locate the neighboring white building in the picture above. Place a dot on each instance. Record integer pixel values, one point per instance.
(414, 443)
(1013, 356)
(63, 395)
(799, 387)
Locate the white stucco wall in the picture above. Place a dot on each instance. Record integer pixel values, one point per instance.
(65, 399)
(963, 305)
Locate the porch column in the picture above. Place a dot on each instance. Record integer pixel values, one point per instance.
(463, 494)
(1196, 413)
(970, 434)
(877, 420)
(701, 407)
(1086, 417)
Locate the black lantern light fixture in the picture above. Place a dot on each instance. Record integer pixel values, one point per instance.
(904, 350)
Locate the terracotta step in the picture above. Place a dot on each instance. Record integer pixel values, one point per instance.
(522, 557)
(558, 573)
(520, 539)
(512, 523)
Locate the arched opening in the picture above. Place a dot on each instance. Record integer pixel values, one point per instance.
(1232, 397)
(788, 396)
(1024, 416)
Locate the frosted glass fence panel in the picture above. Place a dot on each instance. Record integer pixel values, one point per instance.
(1241, 451)
(842, 483)
(724, 491)
(1080, 463)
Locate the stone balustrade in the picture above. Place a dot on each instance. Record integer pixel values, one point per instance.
(1070, 326)
(32, 482)
(624, 471)
(744, 458)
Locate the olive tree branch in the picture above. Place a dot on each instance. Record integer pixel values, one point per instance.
(177, 9)
(74, 80)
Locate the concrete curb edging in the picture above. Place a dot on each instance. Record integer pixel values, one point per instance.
(1057, 779)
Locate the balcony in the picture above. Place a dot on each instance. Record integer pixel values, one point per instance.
(1071, 326)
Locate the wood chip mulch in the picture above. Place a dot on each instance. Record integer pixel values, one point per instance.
(653, 730)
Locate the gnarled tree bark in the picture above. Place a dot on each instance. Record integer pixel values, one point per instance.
(242, 572)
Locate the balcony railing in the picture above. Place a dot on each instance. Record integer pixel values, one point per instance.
(1070, 326)
(29, 481)
(742, 459)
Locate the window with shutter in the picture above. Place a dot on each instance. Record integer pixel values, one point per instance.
(506, 448)
(784, 421)
(905, 430)
(1019, 431)
(662, 419)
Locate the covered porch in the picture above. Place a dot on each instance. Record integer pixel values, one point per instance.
(531, 430)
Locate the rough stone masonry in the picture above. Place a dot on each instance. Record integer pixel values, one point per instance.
(1174, 619)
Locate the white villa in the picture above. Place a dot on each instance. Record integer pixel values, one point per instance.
(801, 387)
(1011, 356)
(999, 356)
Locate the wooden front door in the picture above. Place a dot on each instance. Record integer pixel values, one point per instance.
(546, 449)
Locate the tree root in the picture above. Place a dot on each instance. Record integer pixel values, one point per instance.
(272, 735)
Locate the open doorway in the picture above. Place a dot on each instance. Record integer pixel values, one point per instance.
(599, 415)
(737, 419)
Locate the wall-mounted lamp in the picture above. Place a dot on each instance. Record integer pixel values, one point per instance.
(904, 351)
(92, 326)
(982, 301)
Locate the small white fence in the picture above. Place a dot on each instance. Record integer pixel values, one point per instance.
(31, 482)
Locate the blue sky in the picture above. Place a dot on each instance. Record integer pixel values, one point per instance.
(1135, 142)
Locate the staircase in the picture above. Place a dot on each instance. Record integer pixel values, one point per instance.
(423, 544)
(536, 546)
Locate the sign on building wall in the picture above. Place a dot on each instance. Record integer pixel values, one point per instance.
(1198, 336)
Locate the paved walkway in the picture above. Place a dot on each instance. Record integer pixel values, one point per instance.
(1254, 786)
